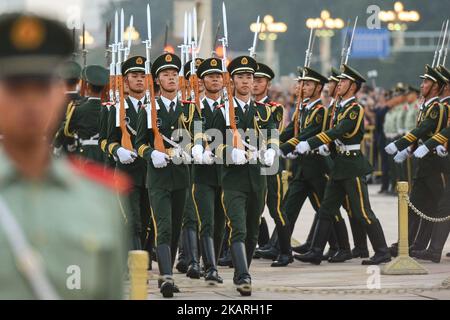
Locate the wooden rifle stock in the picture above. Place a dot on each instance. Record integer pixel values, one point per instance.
(237, 139)
(158, 142)
(126, 138)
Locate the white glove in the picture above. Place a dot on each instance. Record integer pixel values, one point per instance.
(302, 147)
(391, 148)
(292, 155)
(197, 153)
(208, 157)
(159, 159)
(126, 156)
(441, 151)
(269, 157)
(421, 151)
(324, 150)
(238, 156)
(57, 152)
(401, 156)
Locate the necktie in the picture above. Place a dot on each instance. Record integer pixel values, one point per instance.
(214, 106)
(139, 105)
(246, 109)
(172, 107)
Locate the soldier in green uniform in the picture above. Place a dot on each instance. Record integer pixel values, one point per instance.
(410, 120)
(262, 80)
(138, 215)
(242, 180)
(429, 179)
(71, 73)
(84, 119)
(61, 232)
(188, 257)
(348, 175)
(206, 188)
(167, 176)
(315, 166)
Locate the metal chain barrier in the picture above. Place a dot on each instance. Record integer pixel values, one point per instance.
(424, 216)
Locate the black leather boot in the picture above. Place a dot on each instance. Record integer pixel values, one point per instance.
(250, 247)
(263, 235)
(284, 240)
(191, 250)
(226, 260)
(270, 249)
(321, 235)
(304, 248)
(359, 239)
(209, 259)
(344, 253)
(165, 282)
(181, 265)
(376, 237)
(241, 278)
(437, 243)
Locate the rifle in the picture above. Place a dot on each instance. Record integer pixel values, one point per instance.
(127, 49)
(193, 79)
(200, 39)
(120, 100)
(433, 64)
(150, 89)
(84, 55)
(104, 96)
(227, 90)
(441, 50)
(252, 50)
(183, 48)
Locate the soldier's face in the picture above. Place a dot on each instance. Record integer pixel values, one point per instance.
(344, 86)
(135, 82)
(331, 86)
(243, 83)
(412, 97)
(30, 108)
(426, 86)
(309, 88)
(168, 80)
(213, 82)
(260, 86)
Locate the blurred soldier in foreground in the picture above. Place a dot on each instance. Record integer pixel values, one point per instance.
(60, 226)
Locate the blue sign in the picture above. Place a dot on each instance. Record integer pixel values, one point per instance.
(370, 44)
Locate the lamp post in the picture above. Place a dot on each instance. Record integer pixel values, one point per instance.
(325, 26)
(397, 20)
(269, 30)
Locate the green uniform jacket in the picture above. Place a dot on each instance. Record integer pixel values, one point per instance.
(208, 174)
(84, 121)
(348, 129)
(245, 177)
(174, 176)
(432, 118)
(137, 169)
(313, 120)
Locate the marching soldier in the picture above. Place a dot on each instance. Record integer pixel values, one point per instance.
(314, 166)
(410, 123)
(167, 176)
(71, 73)
(57, 217)
(206, 188)
(438, 142)
(138, 215)
(188, 257)
(84, 119)
(429, 179)
(262, 80)
(348, 173)
(242, 182)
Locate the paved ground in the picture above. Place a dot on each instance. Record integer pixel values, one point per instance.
(327, 281)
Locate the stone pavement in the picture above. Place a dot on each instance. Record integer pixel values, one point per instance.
(348, 280)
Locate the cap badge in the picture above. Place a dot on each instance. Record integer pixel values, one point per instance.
(27, 33)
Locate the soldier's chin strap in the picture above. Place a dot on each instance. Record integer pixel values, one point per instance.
(28, 261)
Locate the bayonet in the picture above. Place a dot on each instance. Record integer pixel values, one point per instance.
(252, 50)
(441, 50)
(349, 49)
(127, 49)
(433, 64)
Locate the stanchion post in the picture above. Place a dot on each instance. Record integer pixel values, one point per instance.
(137, 266)
(403, 264)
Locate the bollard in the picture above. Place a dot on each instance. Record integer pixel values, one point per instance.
(403, 264)
(137, 266)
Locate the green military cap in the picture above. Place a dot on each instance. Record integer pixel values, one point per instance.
(166, 61)
(310, 74)
(242, 64)
(32, 45)
(264, 71)
(445, 73)
(413, 89)
(334, 75)
(70, 70)
(348, 72)
(433, 75)
(209, 66)
(187, 67)
(399, 88)
(134, 64)
(299, 73)
(97, 75)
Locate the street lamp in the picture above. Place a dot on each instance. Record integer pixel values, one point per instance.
(88, 38)
(325, 27)
(396, 19)
(131, 31)
(269, 30)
